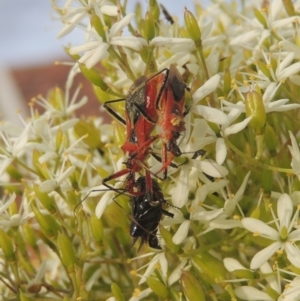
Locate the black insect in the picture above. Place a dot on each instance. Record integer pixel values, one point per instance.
(147, 213)
(167, 14)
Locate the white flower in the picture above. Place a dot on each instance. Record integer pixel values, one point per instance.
(254, 36)
(225, 219)
(51, 184)
(250, 292)
(228, 127)
(284, 237)
(73, 16)
(208, 87)
(8, 221)
(196, 141)
(97, 49)
(291, 291)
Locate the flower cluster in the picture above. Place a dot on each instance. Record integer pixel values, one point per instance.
(232, 196)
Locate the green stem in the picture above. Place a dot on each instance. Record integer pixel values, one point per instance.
(199, 49)
(72, 275)
(290, 95)
(122, 61)
(256, 163)
(25, 166)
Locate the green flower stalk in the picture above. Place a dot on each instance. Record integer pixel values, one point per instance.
(97, 229)
(255, 109)
(66, 251)
(7, 246)
(192, 26)
(289, 7)
(44, 198)
(158, 288)
(46, 222)
(149, 26)
(191, 287)
(117, 292)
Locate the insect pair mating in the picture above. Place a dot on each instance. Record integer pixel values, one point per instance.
(157, 101)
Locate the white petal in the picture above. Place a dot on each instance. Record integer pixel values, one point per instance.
(95, 56)
(48, 186)
(134, 43)
(207, 88)
(211, 168)
(291, 291)
(284, 22)
(221, 151)
(181, 191)
(8, 203)
(65, 126)
(237, 127)
(213, 40)
(206, 29)
(232, 264)
(229, 206)
(162, 41)
(269, 92)
(22, 140)
(293, 254)
(211, 114)
(280, 106)
(163, 264)
(295, 152)
(105, 200)
(145, 293)
(272, 280)
(290, 47)
(256, 226)
(289, 71)
(295, 79)
(47, 157)
(252, 294)
(181, 233)
(4, 164)
(285, 62)
(262, 256)
(240, 106)
(276, 9)
(244, 38)
(84, 47)
(66, 174)
(109, 10)
(294, 236)
(265, 34)
(176, 274)
(296, 167)
(233, 114)
(71, 24)
(206, 215)
(238, 196)
(149, 269)
(117, 27)
(284, 210)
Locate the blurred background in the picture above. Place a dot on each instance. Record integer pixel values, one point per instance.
(29, 48)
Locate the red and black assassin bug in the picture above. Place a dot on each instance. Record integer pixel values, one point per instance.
(147, 213)
(170, 108)
(140, 111)
(169, 116)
